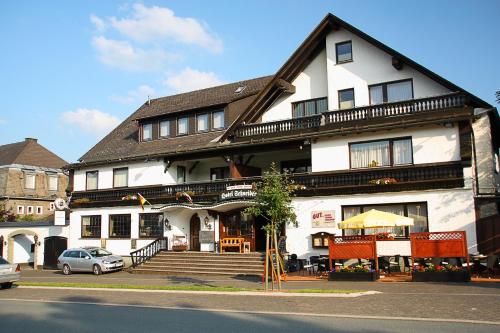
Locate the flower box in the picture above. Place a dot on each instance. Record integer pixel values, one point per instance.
(353, 276)
(179, 248)
(444, 276)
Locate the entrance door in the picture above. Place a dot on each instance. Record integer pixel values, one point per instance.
(237, 224)
(1, 246)
(194, 232)
(53, 247)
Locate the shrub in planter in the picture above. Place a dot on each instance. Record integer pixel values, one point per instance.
(356, 273)
(438, 273)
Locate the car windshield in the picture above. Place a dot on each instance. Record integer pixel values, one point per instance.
(99, 253)
(3, 261)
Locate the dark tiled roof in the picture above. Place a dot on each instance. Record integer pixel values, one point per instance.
(29, 152)
(201, 98)
(122, 142)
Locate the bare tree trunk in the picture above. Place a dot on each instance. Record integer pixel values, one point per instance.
(266, 271)
(278, 268)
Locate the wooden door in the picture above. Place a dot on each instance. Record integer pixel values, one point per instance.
(235, 224)
(194, 232)
(53, 247)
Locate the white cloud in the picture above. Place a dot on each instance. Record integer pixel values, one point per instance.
(140, 94)
(191, 79)
(91, 121)
(121, 54)
(99, 23)
(149, 24)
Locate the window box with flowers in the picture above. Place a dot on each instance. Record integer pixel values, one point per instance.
(438, 273)
(383, 236)
(353, 273)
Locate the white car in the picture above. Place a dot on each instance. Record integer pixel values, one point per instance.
(9, 273)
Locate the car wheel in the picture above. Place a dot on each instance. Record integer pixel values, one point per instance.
(6, 285)
(96, 269)
(66, 270)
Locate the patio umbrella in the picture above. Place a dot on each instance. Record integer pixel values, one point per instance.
(375, 219)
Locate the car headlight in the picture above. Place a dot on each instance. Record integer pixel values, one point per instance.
(106, 262)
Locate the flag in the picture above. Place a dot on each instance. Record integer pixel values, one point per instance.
(142, 200)
(185, 195)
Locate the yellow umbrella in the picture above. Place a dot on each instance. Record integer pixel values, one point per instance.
(375, 219)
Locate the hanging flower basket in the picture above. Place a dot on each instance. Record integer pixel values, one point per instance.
(383, 181)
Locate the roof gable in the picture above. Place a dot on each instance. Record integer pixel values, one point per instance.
(29, 152)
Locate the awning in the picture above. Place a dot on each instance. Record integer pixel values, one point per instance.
(218, 207)
(375, 219)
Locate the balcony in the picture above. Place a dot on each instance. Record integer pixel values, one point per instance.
(435, 108)
(403, 178)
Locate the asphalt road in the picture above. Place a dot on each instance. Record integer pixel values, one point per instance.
(79, 316)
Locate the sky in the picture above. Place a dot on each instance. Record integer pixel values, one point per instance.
(70, 71)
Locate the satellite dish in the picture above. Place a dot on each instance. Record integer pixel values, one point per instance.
(60, 204)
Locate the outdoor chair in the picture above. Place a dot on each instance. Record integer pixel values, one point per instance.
(309, 266)
(406, 264)
(314, 260)
(326, 262)
(293, 264)
(394, 263)
(492, 264)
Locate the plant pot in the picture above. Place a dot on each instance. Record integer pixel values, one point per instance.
(352, 276)
(459, 276)
(178, 248)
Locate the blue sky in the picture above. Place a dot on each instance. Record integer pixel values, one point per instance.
(71, 70)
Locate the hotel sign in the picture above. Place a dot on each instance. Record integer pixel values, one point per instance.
(323, 219)
(238, 192)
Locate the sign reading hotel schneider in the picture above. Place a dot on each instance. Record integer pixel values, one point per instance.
(238, 192)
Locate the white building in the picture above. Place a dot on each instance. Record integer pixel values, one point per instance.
(343, 113)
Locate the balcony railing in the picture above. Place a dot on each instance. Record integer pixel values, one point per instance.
(402, 178)
(359, 114)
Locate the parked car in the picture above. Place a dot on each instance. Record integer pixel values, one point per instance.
(9, 273)
(89, 259)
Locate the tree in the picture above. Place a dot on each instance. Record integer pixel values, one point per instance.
(6, 215)
(497, 95)
(274, 204)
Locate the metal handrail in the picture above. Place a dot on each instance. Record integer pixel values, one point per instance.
(147, 252)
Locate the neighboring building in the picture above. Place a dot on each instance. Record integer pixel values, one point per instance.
(342, 115)
(31, 178)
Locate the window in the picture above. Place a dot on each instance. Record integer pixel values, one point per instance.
(29, 210)
(119, 226)
(391, 92)
(39, 210)
(52, 206)
(53, 179)
(346, 98)
(417, 211)
(309, 107)
(381, 153)
(219, 173)
(92, 178)
(120, 177)
(218, 120)
(181, 174)
(91, 226)
(20, 209)
(29, 181)
(202, 122)
(182, 126)
(344, 52)
(164, 129)
(147, 132)
(151, 225)
(296, 166)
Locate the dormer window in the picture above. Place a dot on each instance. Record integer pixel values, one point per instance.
(147, 132)
(344, 52)
(164, 129)
(202, 122)
(182, 126)
(218, 119)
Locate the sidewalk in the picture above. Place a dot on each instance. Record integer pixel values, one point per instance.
(124, 277)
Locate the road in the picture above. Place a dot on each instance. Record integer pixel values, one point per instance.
(49, 310)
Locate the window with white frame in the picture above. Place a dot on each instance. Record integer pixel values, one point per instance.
(218, 120)
(202, 122)
(381, 153)
(29, 181)
(29, 210)
(53, 180)
(164, 128)
(182, 126)
(147, 132)
(39, 210)
(20, 210)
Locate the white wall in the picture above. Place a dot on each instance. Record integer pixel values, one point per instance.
(370, 65)
(140, 174)
(431, 144)
(22, 249)
(311, 83)
(448, 210)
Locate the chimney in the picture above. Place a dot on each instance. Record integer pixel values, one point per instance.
(30, 139)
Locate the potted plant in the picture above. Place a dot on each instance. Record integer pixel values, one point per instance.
(439, 273)
(386, 236)
(353, 273)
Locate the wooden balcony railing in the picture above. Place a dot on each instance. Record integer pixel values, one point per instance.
(402, 178)
(358, 114)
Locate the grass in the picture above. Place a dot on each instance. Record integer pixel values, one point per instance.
(174, 288)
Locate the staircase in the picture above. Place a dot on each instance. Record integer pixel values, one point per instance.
(203, 263)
